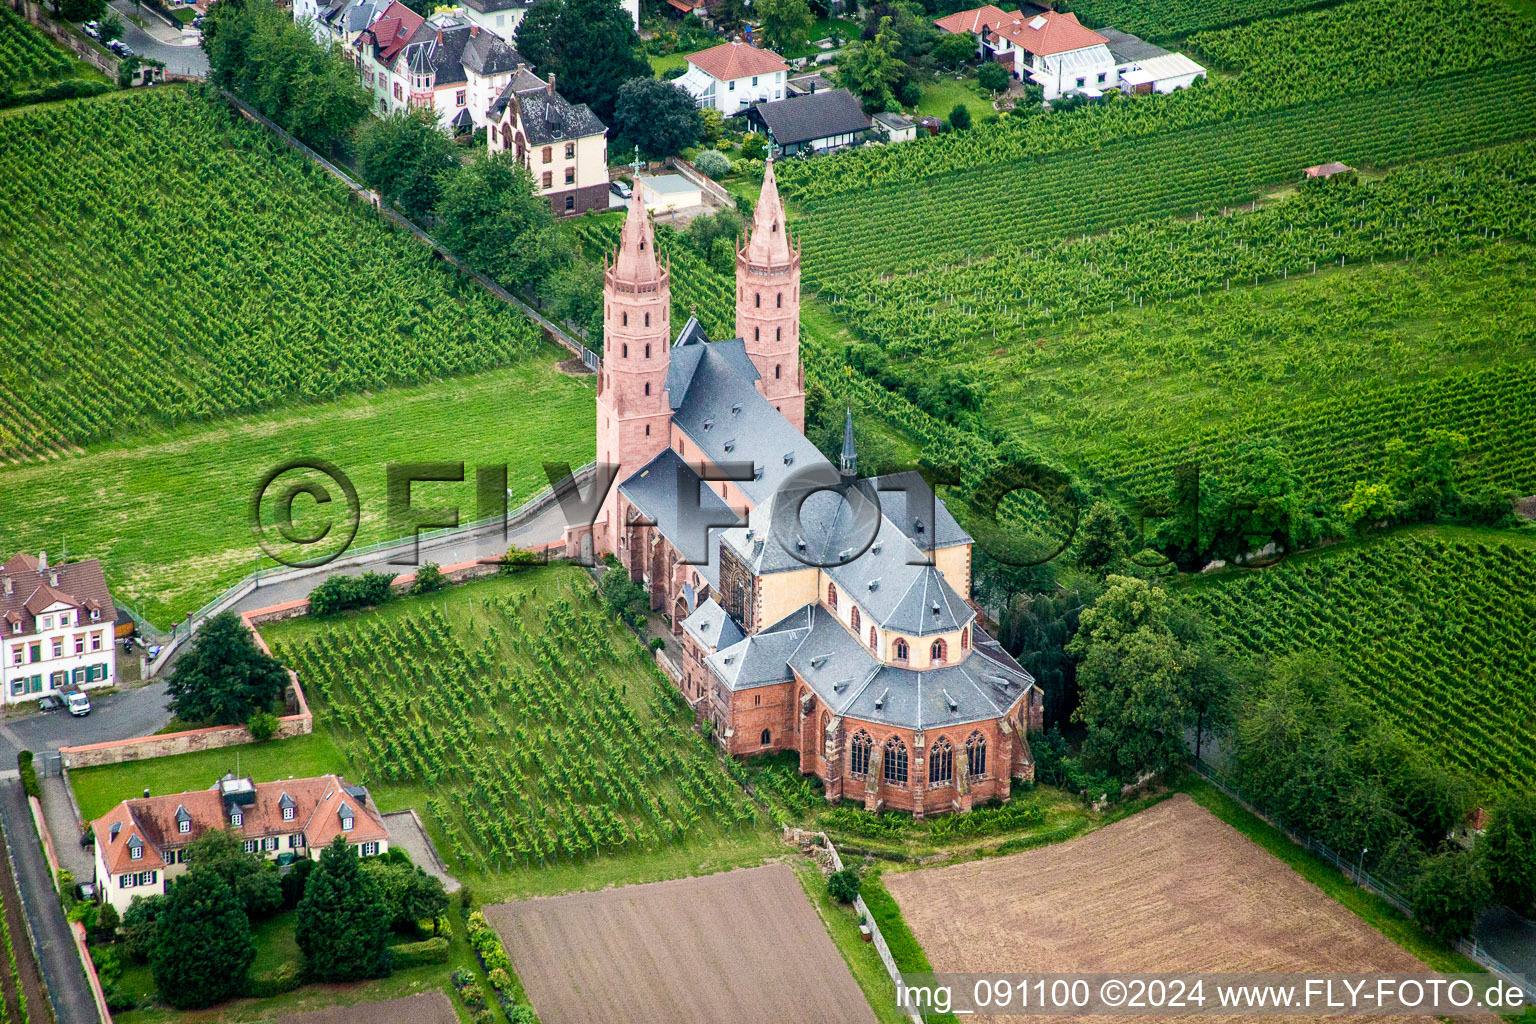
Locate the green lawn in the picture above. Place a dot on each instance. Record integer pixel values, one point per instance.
(660, 64)
(100, 789)
(863, 959)
(167, 513)
(942, 93)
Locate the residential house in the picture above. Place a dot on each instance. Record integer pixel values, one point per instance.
(733, 76)
(563, 144)
(58, 623)
(1145, 68)
(445, 63)
(339, 22)
(802, 85)
(813, 122)
(1052, 49)
(142, 844)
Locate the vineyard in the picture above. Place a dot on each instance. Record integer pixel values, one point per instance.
(1433, 632)
(966, 214)
(27, 57)
(535, 729)
(183, 264)
(1439, 208)
(1169, 19)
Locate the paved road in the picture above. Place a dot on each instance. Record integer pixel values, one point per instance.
(117, 716)
(62, 972)
(181, 54)
(545, 528)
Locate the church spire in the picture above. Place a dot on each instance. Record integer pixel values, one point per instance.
(636, 262)
(848, 462)
(768, 243)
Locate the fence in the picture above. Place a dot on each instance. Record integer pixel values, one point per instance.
(592, 360)
(254, 581)
(1357, 874)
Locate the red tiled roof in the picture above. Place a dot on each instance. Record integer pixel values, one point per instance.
(976, 19)
(394, 29)
(153, 820)
(1057, 32)
(730, 61)
(80, 585)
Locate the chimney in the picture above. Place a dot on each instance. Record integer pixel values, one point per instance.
(551, 87)
(42, 562)
(53, 578)
(474, 31)
(439, 37)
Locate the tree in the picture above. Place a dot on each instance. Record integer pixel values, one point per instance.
(250, 876)
(843, 885)
(429, 579)
(992, 77)
(625, 596)
(870, 69)
(404, 157)
(343, 923)
(104, 929)
(411, 894)
(911, 27)
(81, 10)
(657, 116)
(1509, 843)
(492, 216)
(589, 45)
(1450, 892)
(713, 163)
(225, 677)
(1100, 537)
(753, 147)
(1135, 676)
(203, 946)
(1367, 505)
(786, 24)
(953, 49)
(140, 927)
(340, 593)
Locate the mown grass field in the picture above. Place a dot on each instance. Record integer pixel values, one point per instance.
(167, 511)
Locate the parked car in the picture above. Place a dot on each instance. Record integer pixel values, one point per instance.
(91, 29)
(621, 189)
(120, 48)
(78, 703)
(85, 892)
(48, 702)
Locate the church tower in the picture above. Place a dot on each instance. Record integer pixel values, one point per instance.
(633, 413)
(768, 304)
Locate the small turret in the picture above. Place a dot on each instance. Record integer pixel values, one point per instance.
(848, 461)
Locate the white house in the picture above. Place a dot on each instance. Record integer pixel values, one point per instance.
(142, 844)
(734, 76)
(58, 624)
(893, 127)
(1162, 74)
(445, 63)
(1052, 49)
(563, 144)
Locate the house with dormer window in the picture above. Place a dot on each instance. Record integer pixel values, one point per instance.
(56, 627)
(142, 844)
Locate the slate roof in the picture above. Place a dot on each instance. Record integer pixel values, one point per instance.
(1126, 48)
(81, 585)
(818, 115)
(688, 513)
(153, 821)
(451, 50)
(547, 117)
(912, 507)
(851, 681)
(712, 627)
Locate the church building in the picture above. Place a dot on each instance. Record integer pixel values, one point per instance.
(818, 612)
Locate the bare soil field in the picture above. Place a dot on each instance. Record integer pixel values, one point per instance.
(1170, 889)
(741, 946)
(423, 1008)
(26, 967)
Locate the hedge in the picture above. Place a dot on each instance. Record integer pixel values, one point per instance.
(427, 951)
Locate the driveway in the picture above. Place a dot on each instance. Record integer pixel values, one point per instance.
(179, 50)
(116, 716)
(55, 945)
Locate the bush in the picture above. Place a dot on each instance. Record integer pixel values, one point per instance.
(843, 885)
(70, 88)
(992, 77)
(521, 1014)
(429, 579)
(1451, 891)
(910, 94)
(427, 951)
(262, 725)
(753, 146)
(517, 559)
(105, 929)
(960, 117)
(28, 774)
(140, 927)
(293, 882)
(713, 163)
(342, 593)
(500, 980)
(657, 643)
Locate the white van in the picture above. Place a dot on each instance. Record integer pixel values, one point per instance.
(78, 703)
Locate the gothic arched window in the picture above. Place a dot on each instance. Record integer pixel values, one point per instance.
(853, 619)
(757, 334)
(903, 651)
(965, 638)
(895, 762)
(777, 370)
(941, 763)
(937, 651)
(624, 318)
(647, 387)
(832, 595)
(647, 350)
(874, 639)
(757, 300)
(766, 737)
(859, 749)
(976, 755)
(781, 300)
(778, 334)
(625, 350)
(647, 319)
